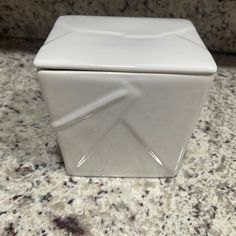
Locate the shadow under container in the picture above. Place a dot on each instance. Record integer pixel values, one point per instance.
(123, 94)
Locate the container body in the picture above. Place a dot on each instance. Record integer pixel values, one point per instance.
(123, 124)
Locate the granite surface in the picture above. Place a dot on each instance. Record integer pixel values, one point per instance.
(214, 19)
(38, 198)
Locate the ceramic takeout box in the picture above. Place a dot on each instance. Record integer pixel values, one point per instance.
(123, 93)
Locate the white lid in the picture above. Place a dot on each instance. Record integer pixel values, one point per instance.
(127, 44)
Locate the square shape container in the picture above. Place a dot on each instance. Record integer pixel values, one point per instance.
(123, 93)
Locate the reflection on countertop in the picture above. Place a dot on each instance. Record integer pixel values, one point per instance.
(38, 198)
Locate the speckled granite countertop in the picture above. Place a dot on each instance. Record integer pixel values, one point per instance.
(215, 20)
(38, 198)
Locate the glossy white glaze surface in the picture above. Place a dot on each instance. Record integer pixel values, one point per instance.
(128, 44)
(123, 93)
(123, 124)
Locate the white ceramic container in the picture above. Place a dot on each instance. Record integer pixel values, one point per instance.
(123, 93)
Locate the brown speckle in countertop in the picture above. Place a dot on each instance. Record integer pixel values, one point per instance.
(69, 224)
